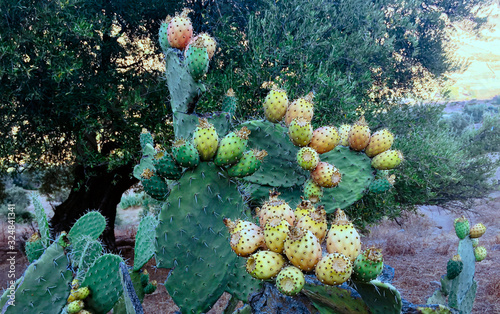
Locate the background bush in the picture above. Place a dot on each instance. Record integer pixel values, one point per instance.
(18, 197)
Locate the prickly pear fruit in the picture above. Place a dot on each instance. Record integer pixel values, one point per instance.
(151, 287)
(343, 237)
(307, 158)
(246, 237)
(300, 132)
(78, 294)
(144, 278)
(380, 186)
(166, 167)
(477, 230)
(154, 185)
(387, 160)
(238, 225)
(248, 164)
(185, 154)
(180, 30)
(231, 147)
(275, 233)
(301, 107)
(304, 208)
(475, 242)
(230, 102)
(83, 312)
(146, 138)
(334, 269)
(265, 264)
(480, 253)
(368, 265)
(196, 60)
(315, 222)
(462, 227)
(359, 135)
(163, 33)
(75, 306)
(380, 141)
(275, 207)
(344, 130)
(302, 249)
(325, 139)
(206, 41)
(326, 175)
(454, 267)
(275, 105)
(290, 280)
(205, 139)
(312, 191)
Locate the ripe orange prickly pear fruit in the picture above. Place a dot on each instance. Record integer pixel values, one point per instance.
(344, 130)
(477, 230)
(206, 41)
(325, 139)
(290, 280)
(462, 227)
(343, 237)
(326, 175)
(380, 141)
(307, 158)
(180, 30)
(334, 269)
(359, 135)
(265, 264)
(275, 207)
(205, 139)
(387, 160)
(275, 105)
(312, 191)
(275, 233)
(302, 249)
(315, 222)
(300, 108)
(300, 132)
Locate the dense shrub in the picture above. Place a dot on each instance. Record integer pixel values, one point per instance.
(17, 197)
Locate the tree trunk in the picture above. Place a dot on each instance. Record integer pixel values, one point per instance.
(94, 189)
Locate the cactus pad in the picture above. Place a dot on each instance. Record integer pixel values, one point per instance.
(144, 241)
(91, 224)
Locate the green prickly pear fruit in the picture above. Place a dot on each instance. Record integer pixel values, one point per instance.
(325, 139)
(231, 147)
(196, 59)
(154, 186)
(230, 103)
(477, 230)
(163, 33)
(326, 175)
(144, 278)
(206, 41)
(166, 166)
(462, 227)
(185, 154)
(380, 186)
(300, 108)
(343, 237)
(75, 306)
(265, 264)
(205, 139)
(380, 141)
(359, 135)
(475, 242)
(290, 280)
(275, 207)
(315, 222)
(312, 191)
(248, 164)
(480, 253)
(454, 267)
(368, 265)
(151, 287)
(344, 130)
(387, 160)
(145, 138)
(302, 249)
(275, 105)
(300, 132)
(334, 269)
(180, 30)
(307, 158)
(275, 232)
(304, 208)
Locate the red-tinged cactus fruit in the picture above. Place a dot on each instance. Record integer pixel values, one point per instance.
(312, 191)
(325, 139)
(275, 207)
(477, 230)
(205, 139)
(300, 132)
(180, 30)
(232, 147)
(300, 108)
(265, 265)
(275, 234)
(307, 158)
(304, 208)
(334, 269)
(247, 241)
(315, 222)
(275, 105)
(163, 33)
(344, 130)
(368, 265)
(206, 41)
(302, 249)
(480, 253)
(238, 225)
(359, 135)
(380, 141)
(290, 280)
(462, 227)
(387, 160)
(343, 237)
(326, 175)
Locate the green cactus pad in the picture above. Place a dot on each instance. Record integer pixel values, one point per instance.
(144, 139)
(230, 103)
(333, 299)
(91, 224)
(163, 36)
(34, 249)
(41, 219)
(84, 251)
(381, 298)
(166, 167)
(463, 287)
(119, 307)
(103, 280)
(185, 124)
(147, 162)
(132, 302)
(196, 61)
(144, 242)
(185, 154)
(438, 297)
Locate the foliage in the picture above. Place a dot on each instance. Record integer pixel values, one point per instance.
(17, 197)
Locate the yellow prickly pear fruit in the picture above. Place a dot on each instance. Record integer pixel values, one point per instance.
(302, 249)
(275, 207)
(343, 237)
(344, 130)
(304, 208)
(238, 225)
(180, 30)
(326, 175)
(247, 241)
(312, 191)
(78, 294)
(477, 230)
(275, 105)
(387, 160)
(380, 141)
(359, 135)
(205, 139)
(265, 264)
(325, 139)
(275, 233)
(300, 132)
(334, 269)
(75, 306)
(300, 108)
(315, 222)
